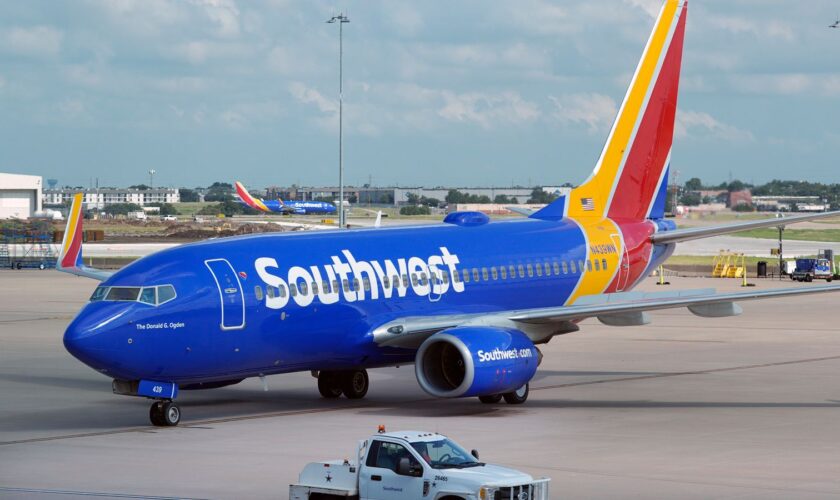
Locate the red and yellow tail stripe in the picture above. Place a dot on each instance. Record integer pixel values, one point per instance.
(616, 172)
(249, 200)
(71, 245)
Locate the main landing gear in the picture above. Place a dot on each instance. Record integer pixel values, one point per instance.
(352, 383)
(516, 397)
(164, 414)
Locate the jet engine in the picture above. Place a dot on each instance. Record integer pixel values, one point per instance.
(475, 361)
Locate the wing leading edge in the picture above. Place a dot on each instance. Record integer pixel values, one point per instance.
(694, 233)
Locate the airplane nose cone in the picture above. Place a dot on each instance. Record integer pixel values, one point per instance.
(84, 344)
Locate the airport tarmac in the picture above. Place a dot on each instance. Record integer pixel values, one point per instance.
(686, 407)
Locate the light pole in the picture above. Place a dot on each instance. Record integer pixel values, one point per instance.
(340, 19)
(152, 173)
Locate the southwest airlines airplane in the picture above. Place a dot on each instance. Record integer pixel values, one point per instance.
(282, 207)
(468, 301)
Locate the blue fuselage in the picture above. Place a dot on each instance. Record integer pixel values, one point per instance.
(247, 306)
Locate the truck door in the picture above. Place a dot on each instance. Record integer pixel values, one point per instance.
(230, 294)
(379, 479)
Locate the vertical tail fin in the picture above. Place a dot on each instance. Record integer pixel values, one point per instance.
(249, 200)
(631, 174)
(70, 258)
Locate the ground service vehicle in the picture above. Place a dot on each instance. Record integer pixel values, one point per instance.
(811, 269)
(414, 465)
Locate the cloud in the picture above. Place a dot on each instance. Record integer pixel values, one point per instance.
(651, 7)
(488, 109)
(596, 111)
(760, 29)
(38, 41)
(827, 85)
(224, 13)
(700, 124)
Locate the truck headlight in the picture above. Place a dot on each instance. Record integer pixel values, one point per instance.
(486, 493)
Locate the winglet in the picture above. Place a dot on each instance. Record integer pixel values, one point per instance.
(70, 259)
(378, 221)
(249, 200)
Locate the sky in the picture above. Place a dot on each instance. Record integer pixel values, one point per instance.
(472, 93)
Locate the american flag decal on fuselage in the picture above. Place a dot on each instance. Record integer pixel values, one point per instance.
(587, 204)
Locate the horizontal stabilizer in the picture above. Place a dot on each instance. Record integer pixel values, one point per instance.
(695, 233)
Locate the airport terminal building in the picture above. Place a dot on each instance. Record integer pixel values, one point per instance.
(20, 196)
(102, 197)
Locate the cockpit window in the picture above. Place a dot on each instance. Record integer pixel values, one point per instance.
(147, 296)
(152, 295)
(123, 293)
(165, 293)
(99, 293)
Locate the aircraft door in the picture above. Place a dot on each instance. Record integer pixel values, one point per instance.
(230, 294)
(623, 273)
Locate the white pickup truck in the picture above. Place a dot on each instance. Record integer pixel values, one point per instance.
(414, 465)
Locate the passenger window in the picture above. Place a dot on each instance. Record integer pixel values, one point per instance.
(589, 265)
(147, 296)
(580, 265)
(346, 284)
(547, 269)
(572, 265)
(565, 267)
(99, 293)
(597, 265)
(530, 271)
(355, 284)
(445, 277)
(503, 272)
(386, 282)
(556, 268)
(314, 288)
(423, 279)
(538, 267)
(414, 280)
(281, 291)
(521, 269)
(475, 274)
(604, 264)
(303, 288)
(325, 286)
(484, 275)
(366, 283)
(405, 280)
(269, 292)
(258, 293)
(335, 286)
(512, 272)
(494, 273)
(293, 289)
(456, 277)
(466, 275)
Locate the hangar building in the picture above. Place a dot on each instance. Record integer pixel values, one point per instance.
(20, 196)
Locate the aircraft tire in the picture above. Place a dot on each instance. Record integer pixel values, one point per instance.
(328, 385)
(156, 414)
(491, 399)
(354, 383)
(171, 414)
(518, 396)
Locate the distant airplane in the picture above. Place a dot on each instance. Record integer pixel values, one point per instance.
(835, 24)
(282, 207)
(467, 301)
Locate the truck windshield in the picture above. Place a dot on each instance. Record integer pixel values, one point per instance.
(444, 454)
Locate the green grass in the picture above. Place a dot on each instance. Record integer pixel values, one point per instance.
(189, 209)
(831, 235)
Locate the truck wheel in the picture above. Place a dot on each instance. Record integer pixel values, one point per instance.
(828, 280)
(354, 383)
(491, 399)
(808, 278)
(518, 396)
(328, 385)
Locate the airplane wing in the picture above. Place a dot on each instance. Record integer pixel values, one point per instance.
(694, 233)
(520, 210)
(613, 309)
(70, 260)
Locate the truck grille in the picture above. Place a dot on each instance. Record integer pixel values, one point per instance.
(538, 490)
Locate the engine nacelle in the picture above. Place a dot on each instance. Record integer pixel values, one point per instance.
(475, 361)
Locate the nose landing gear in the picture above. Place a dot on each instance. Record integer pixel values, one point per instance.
(164, 414)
